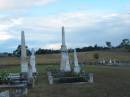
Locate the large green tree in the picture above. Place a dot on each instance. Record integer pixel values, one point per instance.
(125, 44)
(108, 44)
(17, 52)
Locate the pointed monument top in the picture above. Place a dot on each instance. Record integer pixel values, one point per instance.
(75, 58)
(23, 46)
(33, 51)
(63, 28)
(22, 31)
(74, 50)
(22, 38)
(63, 36)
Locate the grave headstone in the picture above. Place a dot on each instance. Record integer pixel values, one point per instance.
(110, 61)
(50, 78)
(114, 62)
(91, 78)
(103, 61)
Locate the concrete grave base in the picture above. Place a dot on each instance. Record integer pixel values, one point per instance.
(58, 77)
(19, 90)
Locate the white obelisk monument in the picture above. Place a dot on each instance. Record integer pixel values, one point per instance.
(30, 73)
(24, 62)
(76, 64)
(33, 61)
(64, 66)
(30, 76)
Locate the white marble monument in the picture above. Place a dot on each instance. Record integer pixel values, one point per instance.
(76, 64)
(30, 73)
(65, 65)
(24, 62)
(33, 61)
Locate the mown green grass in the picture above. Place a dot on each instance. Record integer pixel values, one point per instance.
(109, 81)
(12, 69)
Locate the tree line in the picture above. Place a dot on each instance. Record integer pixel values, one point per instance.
(125, 44)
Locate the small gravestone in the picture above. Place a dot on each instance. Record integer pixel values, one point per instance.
(110, 61)
(50, 78)
(103, 61)
(91, 77)
(114, 62)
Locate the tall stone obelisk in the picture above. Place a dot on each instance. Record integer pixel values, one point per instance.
(64, 66)
(24, 62)
(33, 61)
(76, 64)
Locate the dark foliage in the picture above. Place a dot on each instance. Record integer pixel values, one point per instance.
(17, 52)
(46, 51)
(125, 44)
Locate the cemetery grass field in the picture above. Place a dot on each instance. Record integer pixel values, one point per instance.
(109, 81)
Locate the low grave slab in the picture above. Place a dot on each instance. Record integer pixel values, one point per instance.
(58, 77)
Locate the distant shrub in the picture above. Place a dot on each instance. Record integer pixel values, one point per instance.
(96, 56)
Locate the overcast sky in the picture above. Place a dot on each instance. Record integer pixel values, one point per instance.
(87, 22)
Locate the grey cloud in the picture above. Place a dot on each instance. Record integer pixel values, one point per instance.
(112, 28)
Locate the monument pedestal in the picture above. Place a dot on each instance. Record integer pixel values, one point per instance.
(23, 75)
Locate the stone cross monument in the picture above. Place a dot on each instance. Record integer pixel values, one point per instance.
(64, 66)
(76, 64)
(24, 62)
(33, 61)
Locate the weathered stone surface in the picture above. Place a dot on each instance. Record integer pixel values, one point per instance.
(33, 61)
(24, 63)
(64, 66)
(76, 64)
